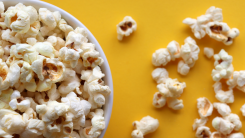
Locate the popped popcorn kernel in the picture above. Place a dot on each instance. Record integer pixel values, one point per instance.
(203, 132)
(126, 27)
(205, 107)
(208, 52)
(223, 126)
(145, 126)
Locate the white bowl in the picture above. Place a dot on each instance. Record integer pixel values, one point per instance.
(71, 20)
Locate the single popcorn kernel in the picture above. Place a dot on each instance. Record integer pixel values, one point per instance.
(126, 27)
(205, 107)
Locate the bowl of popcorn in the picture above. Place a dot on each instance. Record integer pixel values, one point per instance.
(55, 81)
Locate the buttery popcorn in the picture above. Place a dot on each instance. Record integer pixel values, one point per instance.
(145, 126)
(51, 82)
(126, 27)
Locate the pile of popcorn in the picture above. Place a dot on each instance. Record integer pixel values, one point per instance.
(224, 125)
(51, 83)
(211, 23)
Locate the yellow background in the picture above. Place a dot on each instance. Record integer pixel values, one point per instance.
(159, 22)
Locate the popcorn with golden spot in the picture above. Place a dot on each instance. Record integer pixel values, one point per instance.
(126, 27)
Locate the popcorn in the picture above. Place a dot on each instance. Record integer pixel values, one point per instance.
(171, 88)
(18, 102)
(45, 48)
(5, 99)
(98, 124)
(175, 104)
(160, 75)
(198, 25)
(56, 42)
(126, 27)
(174, 50)
(208, 52)
(145, 126)
(9, 35)
(4, 72)
(217, 135)
(70, 83)
(223, 96)
(79, 108)
(183, 68)
(221, 32)
(237, 80)
(90, 56)
(11, 122)
(53, 93)
(223, 66)
(33, 129)
(199, 123)
(235, 120)
(222, 108)
(65, 27)
(203, 132)
(205, 107)
(42, 98)
(50, 70)
(161, 57)
(243, 110)
(50, 19)
(189, 51)
(236, 135)
(159, 100)
(223, 126)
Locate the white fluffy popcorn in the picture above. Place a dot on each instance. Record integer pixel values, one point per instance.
(221, 95)
(221, 32)
(50, 19)
(223, 126)
(159, 75)
(243, 110)
(161, 57)
(126, 27)
(145, 126)
(199, 122)
(171, 88)
(237, 79)
(222, 108)
(174, 50)
(159, 100)
(175, 103)
(217, 135)
(223, 66)
(235, 120)
(208, 52)
(18, 102)
(183, 68)
(203, 132)
(205, 107)
(189, 51)
(198, 25)
(236, 135)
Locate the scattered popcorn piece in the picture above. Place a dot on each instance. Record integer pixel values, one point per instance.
(236, 135)
(221, 95)
(208, 52)
(158, 100)
(161, 57)
(175, 104)
(183, 68)
(174, 50)
(205, 107)
(237, 79)
(221, 32)
(223, 66)
(222, 108)
(199, 122)
(126, 27)
(189, 51)
(243, 110)
(145, 126)
(203, 132)
(159, 75)
(217, 135)
(223, 126)
(171, 88)
(235, 120)
(198, 25)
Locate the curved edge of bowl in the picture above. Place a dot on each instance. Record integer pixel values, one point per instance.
(75, 23)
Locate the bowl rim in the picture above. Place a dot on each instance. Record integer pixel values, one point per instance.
(75, 22)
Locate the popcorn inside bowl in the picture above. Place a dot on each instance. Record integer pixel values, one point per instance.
(51, 83)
